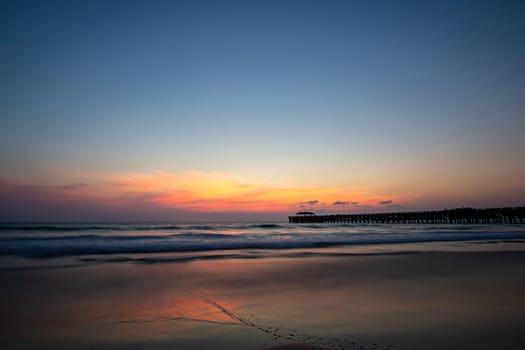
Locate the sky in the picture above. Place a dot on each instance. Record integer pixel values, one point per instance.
(253, 110)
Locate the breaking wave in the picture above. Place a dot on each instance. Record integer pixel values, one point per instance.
(54, 240)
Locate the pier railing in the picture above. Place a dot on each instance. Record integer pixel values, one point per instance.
(509, 215)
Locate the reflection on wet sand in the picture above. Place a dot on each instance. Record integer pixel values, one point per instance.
(429, 300)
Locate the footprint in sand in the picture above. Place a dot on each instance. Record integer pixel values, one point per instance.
(279, 333)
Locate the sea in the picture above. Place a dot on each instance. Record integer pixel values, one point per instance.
(189, 241)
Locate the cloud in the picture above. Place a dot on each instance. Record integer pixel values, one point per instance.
(158, 195)
(343, 203)
(311, 203)
(387, 202)
(153, 196)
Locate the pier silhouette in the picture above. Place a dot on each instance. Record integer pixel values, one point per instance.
(508, 215)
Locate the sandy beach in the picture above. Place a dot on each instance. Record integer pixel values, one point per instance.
(294, 347)
(413, 300)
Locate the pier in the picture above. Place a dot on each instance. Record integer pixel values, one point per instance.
(509, 215)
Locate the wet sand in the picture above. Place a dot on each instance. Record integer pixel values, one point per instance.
(411, 300)
(294, 347)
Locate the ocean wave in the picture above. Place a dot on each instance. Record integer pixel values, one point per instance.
(81, 228)
(66, 239)
(95, 244)
(113, 237)
(51, 251)
(132, 227)
(52, 228)
(266, 226)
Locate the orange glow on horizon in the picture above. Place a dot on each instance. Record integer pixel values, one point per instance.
(205, 192)
(223, 192)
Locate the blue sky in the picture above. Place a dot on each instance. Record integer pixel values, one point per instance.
(382, 97)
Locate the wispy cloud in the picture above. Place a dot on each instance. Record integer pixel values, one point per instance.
(159, 191)
(311, 203)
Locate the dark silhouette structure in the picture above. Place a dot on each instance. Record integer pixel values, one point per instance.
(509, 215)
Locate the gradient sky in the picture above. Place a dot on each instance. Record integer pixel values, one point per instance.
(252, 110)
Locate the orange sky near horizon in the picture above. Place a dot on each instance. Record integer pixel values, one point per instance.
(198, 192)
(221, 192)
(204, 192)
